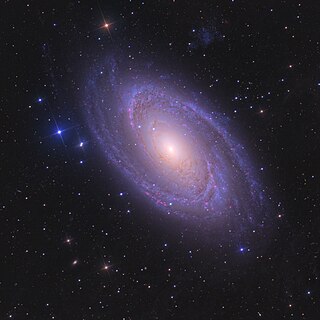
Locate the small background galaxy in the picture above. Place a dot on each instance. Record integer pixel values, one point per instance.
(93, 226)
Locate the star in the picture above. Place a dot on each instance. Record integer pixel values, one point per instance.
(106, 26)
(105, 268)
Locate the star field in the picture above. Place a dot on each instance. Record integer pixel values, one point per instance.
(79, 237)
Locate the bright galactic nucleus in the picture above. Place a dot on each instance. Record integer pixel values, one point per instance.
(182, 157)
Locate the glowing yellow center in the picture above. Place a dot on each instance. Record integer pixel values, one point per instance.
(171, 149)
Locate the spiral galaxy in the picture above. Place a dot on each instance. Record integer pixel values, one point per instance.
(184, 159)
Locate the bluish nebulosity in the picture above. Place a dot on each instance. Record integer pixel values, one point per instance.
(205, 36)
(184, 159)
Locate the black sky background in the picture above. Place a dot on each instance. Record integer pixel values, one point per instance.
(257, 62)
